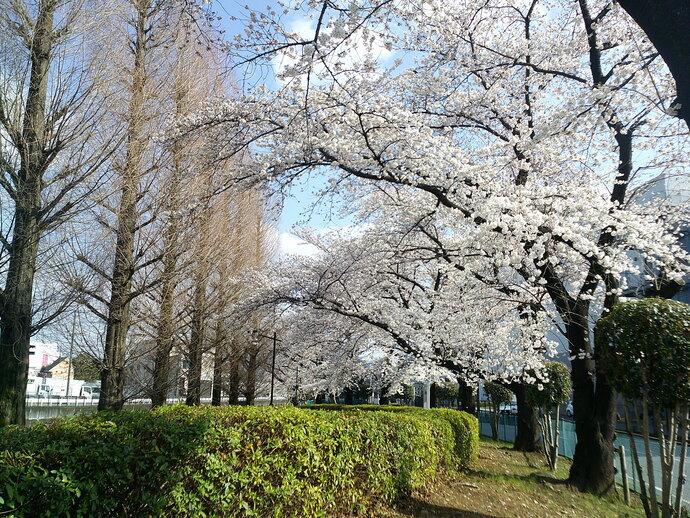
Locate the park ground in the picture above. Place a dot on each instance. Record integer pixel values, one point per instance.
(503, 483)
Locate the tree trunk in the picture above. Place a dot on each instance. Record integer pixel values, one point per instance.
(594, 407)
(466, 397)
(217, 378)
(117, 325)
(165, 331)
(234, 382)
(16, 320)
(250, 380)
(667, 24)
(16, 307)
(218, 360)
(164, 337)
(527, 433)
(495, 416)
(349, 396)
(433, 396)
(196, 345)
(164, 346)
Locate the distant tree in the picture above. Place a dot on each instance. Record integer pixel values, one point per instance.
(643, 347)
(552, 389)
(407, 392)
(498, 395)
(446, 391)
(86, 367)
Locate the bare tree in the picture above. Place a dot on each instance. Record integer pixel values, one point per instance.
(51, 147)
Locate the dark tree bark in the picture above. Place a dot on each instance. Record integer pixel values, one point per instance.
(433, 396)
(234, 382)
(219, 358)
(251, 367)
(349, 396)
(466, 397)
(164, 336)
(196, 344)
(165, 331)
(593, 399)
(594, 408)
(527, 430)
(16, 302)
(667, 24)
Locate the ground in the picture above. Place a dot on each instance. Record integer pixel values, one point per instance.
(503, 483)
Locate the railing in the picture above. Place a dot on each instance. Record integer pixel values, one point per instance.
(567, 441)
(44, 409)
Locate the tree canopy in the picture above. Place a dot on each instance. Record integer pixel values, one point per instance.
(644, 345)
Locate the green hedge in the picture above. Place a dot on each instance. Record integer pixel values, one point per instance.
(230, 461)
(465, 426)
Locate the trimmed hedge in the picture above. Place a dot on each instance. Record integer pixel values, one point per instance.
(465, 426)
(230, 461)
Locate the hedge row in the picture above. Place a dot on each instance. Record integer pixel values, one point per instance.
(230, 461)
(465, 426)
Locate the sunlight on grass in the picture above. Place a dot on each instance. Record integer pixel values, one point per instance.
(504, 483)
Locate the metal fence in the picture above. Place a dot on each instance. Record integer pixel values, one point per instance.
(567, 440)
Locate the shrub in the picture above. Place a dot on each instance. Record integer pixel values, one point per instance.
(643, 347)
(552, 389)
(498, 395)
(465, 426)
(230, 461)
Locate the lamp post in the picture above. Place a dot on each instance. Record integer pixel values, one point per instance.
(273, 359)
(273, 366)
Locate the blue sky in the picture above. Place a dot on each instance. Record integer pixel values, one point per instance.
(299, 207)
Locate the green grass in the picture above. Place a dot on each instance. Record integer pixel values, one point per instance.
(508, 484)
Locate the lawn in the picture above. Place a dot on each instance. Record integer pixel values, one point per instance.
(508, 484)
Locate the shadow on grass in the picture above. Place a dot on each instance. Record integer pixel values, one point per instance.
(421, 509)
(540, 478)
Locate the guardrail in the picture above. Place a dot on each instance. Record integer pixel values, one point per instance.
(44, 409)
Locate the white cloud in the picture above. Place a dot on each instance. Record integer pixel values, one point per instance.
(293, 245)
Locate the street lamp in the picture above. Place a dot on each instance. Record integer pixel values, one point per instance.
(273, 360)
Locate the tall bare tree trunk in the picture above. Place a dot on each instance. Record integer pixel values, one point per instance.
(218, 361)
(234, 382)
(251, 364)
(117, 325)
(196, 342)
(165, 331)
(16, 307)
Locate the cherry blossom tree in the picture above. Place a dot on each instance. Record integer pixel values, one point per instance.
(514, 124)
